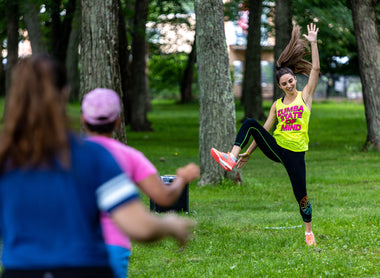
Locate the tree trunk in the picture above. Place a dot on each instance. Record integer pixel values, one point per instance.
(99, 48)
(125, 32)
(217, 120)
(55, 28)
(283, 32)
(124, 64)
(72, 56)
(252, 93)
(32, 23)
(368, 44)
(12, 13)
(188, 77)
(60, 30)
(139, 120)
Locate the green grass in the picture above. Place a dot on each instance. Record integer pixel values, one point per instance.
(252, 230)
(238, 232)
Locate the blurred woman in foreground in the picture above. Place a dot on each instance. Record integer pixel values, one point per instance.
(53, 185)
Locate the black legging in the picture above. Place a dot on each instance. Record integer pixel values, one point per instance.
(294, 162)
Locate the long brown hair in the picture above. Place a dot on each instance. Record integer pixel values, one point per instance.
(35, 125)
(291, 59)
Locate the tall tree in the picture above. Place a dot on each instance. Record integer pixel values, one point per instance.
(251, 94)
(60, 27)
(31, 11)
(217, 119)
(283, 31)
(138, 108)
(12, 13)
(125, 65)
(99, 48)
(72, 54)
(368, 42)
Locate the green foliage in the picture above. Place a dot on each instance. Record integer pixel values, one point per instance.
(232, 9)
(165, 74)
(336, 35)
(169, 12)
(166, 69)
(334, 19)
(158, 8)
(252, 230)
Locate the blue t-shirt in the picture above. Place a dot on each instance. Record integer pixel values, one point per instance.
(49, 218)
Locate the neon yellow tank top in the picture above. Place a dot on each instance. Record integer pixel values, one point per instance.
(293, 125)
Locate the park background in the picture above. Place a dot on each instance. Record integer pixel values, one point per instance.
(254, 229)
(245, 229)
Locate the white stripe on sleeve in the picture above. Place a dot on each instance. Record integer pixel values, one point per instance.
(115, 191)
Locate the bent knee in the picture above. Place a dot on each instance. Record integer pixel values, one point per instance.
(251, 122)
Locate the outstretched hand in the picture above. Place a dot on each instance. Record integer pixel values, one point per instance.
(189, 172)
(312, 32)
(243, 160)
(180, 227)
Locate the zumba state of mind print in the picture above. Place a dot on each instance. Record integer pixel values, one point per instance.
(289, 115)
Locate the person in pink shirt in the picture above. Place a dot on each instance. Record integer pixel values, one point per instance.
(100, 116)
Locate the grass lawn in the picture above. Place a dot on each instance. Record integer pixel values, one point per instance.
(254, 230)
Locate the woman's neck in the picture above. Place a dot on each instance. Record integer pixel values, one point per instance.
(290, 97)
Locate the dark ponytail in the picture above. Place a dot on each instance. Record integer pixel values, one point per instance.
(291, 59)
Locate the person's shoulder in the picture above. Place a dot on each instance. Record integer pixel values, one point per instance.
(87, 149)
(91, 157)
(104, 140)
(128, 153)
(113, 144)
(98, 139)
(275, 103)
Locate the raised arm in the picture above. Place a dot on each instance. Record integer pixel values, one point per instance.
(308, 91)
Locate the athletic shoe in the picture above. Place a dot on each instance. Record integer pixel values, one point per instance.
(224, 159)
(309, 238)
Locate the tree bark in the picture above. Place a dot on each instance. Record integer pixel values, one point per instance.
(283, 32)
(188, 77)
(252, 94)
(99, 48)
(138, 116)
(217, 120)
(31, 11)
(368, 43)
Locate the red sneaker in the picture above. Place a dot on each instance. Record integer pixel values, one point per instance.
(224, 159)
(309, 238)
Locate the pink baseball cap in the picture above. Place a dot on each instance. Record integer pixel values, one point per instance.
(101, 106)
